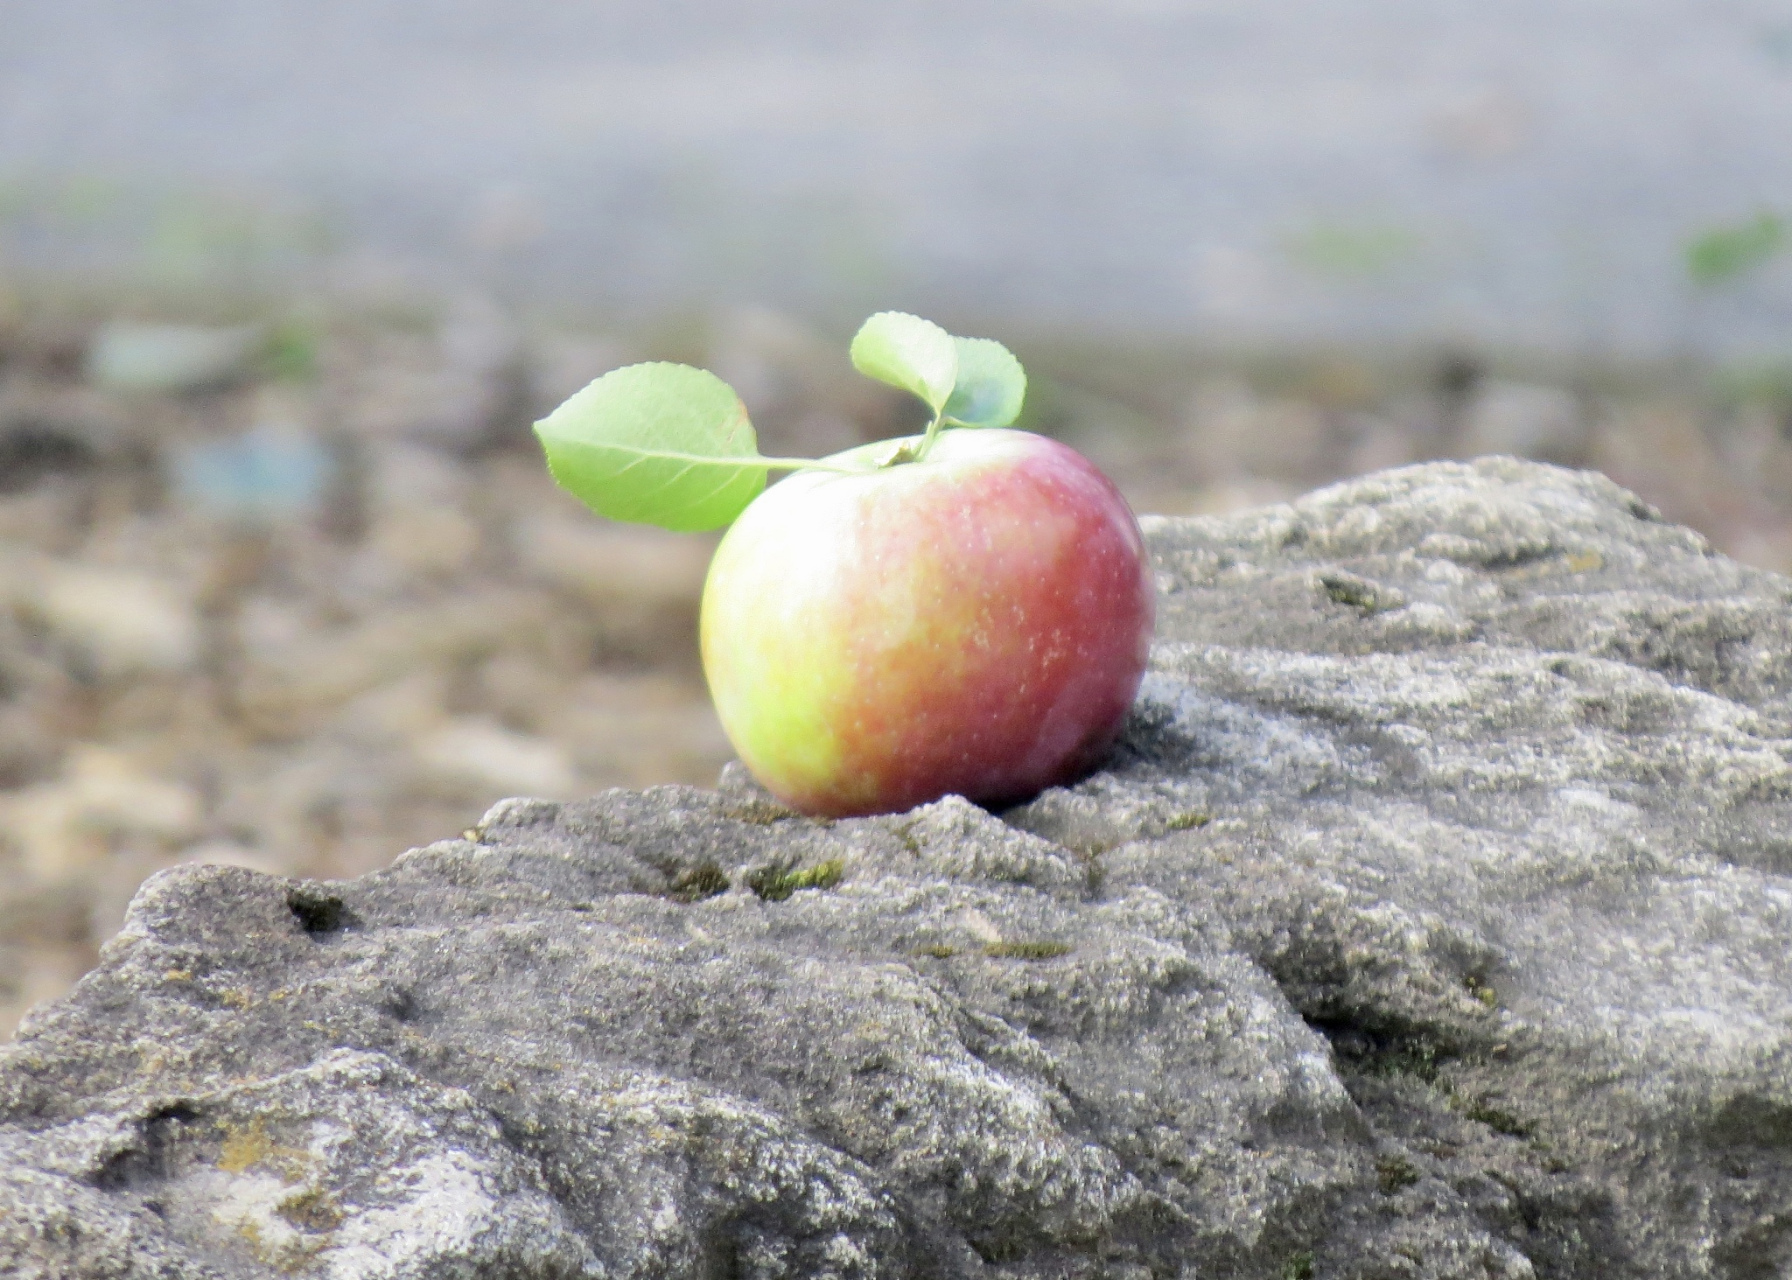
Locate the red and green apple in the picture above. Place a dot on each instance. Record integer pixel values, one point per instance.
(965, 611)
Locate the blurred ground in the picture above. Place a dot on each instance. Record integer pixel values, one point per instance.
(300, 595)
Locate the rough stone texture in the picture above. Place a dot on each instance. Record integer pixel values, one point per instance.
(1431, 921)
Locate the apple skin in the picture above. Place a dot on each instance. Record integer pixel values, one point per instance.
(975, 623)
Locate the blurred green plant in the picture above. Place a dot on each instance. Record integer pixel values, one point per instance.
(1724, 255)
(155, 234)
(1352, 252)
(291, 353)
(1760, 381)
(64, 203)
(199, 234)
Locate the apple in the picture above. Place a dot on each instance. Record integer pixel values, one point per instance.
(975, 622)
(963, 611)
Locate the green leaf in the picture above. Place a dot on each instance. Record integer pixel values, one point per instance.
(908, 352)
(657, 443)
(991, 385)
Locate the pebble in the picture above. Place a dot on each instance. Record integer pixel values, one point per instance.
(479, 753)
(129, 356)
(112, 623)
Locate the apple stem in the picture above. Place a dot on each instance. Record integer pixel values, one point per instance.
(917, 452)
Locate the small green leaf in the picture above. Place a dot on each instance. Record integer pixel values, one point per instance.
(991, 385)
(908, 352)
(657, 443)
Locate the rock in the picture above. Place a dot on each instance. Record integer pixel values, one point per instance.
(423, 541)
(296, 680)
(1433, 919)
(418, 525)
(613, 566)
(637, 586)
(471, 751)
(56, 431)
(79, 845)
(130, 356)
(78, 440)
(109, 623)
(268, 473)
(635, 730)
(102, 800)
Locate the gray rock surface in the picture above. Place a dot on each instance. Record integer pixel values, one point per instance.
(1432, 920)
